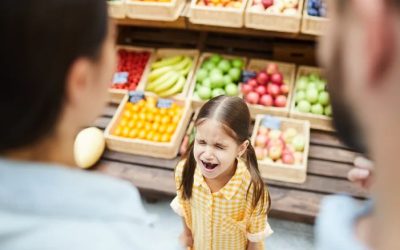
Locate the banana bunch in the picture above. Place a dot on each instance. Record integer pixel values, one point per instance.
(168, 75)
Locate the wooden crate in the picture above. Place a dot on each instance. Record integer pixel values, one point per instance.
(161, 53)
(155, 11)
(273, 22)
(199, 103)
(168, 150)
(289, 71)
(313, 25)
(320, 122)
(116, 9)
(217, 16)
(281, 171)
(116, 95)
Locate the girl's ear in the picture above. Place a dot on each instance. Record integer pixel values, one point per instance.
(243, 148)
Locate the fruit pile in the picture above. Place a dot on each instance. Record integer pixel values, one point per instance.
(237, 4)
(156, 1)
(168, 75)
(311, 95)
(275, 145)
(149, 120)
(285, 7)
(218, 76)
(316, 8)
(132, 64)
(266, 88)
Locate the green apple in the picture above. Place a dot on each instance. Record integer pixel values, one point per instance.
(217, 92)
(237, 63)
(224, 65)
(328, 110)
(320, 86)
(323, 98)
(207, 82)
(216, 71)
(312, 85)
(227, 79)
(208, 65)
(217, 81)
(196, 96)
(312, 95)
(302, 83)
(300, 95)
(231, 89)
(204, 93)
(304, 106)
(313, 77)
(201, 75)
(215, 58)
(299, 142)
(317, 109)
(235, 74)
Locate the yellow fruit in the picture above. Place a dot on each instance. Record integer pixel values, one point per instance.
(125, 132)
(118, 131)
(165, 120)
(133, 133)
(165, 138)
(142, 135)
(123, 122)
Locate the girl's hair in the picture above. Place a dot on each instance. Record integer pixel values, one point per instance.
(234, 115)
(40, 41)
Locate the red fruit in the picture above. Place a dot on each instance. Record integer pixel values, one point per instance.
(267, 100)
(272, 68)
(252, 98)
(246, 88)
(252, 82)
(273, 89)
(280, 101)
(288, 158)
(261, 90)
(262, 78)
(277, 78)
(267, 3)
(284, 89)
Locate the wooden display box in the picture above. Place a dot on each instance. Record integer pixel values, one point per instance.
(166, 150)
(162, 53)
(116, 95)
(196, 103)
(217, 16)
(312, 25)
(281, 171)
(273, 22)
(155, 11)
(116, 9)
(289, 72)
(320, 122)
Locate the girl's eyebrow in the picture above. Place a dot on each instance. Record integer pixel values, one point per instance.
(220, 145)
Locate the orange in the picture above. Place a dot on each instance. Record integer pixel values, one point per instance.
(163, 111)
(135, 108)
(147, 126)
(175, 119)
(133, 133)
(127, 114)
(165, 120)
(142, 134)
(171, 129)
(142, 116)
(162, 128)
(171, 112)
(140, 124)
(128, 105)
(157, 118)
(157, 137)
(150, 136)
(125, 132)
(149, 117)
(123, 122)
(165, 138)
(141, 103)
(135, 117)
(131, 124)
(118, 131)
(155, 127)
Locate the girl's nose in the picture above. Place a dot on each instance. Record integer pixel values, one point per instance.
(208, 155)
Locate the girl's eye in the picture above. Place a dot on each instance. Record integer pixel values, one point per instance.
(219, 146)
(201, 142)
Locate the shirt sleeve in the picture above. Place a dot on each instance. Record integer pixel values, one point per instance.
(177, 203)
(258, 227)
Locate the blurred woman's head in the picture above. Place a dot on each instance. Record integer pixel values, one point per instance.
(56, 61)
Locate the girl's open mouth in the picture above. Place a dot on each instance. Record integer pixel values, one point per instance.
(208, 165)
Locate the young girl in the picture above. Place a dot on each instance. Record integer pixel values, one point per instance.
(220, 193)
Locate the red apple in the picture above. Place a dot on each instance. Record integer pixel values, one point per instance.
(272, 68)
(277, 78)
(284, 89)
(267, 100)
(246, 88)
(252, 98)
(273, 89)
(288, 158)
(262, 78)
(267, 3)
(261, 90)
(280, 101)
(252, 82)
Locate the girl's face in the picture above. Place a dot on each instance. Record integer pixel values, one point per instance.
(214, 150)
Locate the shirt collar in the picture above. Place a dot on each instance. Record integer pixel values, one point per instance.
(231, 188)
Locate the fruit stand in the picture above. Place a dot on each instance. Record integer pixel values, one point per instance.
(219, 47)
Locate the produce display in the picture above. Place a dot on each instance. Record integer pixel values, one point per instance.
(155, 1)
(149, 119)
(311, 95)
(273, 144)
(237, 4)
(168, 75)
(317, 8)
(285, 7)
(218, 76)
(266, 87)
(88, 147)
(131, 65)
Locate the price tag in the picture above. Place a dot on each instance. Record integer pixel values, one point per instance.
(136, 96)
(164, 103)
(120, 78)
(271, 122)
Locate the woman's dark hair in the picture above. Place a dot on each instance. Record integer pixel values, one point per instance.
(234, 115)
(40, 40)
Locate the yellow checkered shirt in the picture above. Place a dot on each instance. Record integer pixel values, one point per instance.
(224, 220)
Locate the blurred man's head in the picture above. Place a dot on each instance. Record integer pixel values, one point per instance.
(362, 57)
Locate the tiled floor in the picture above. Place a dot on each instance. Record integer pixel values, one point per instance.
(287, 235)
